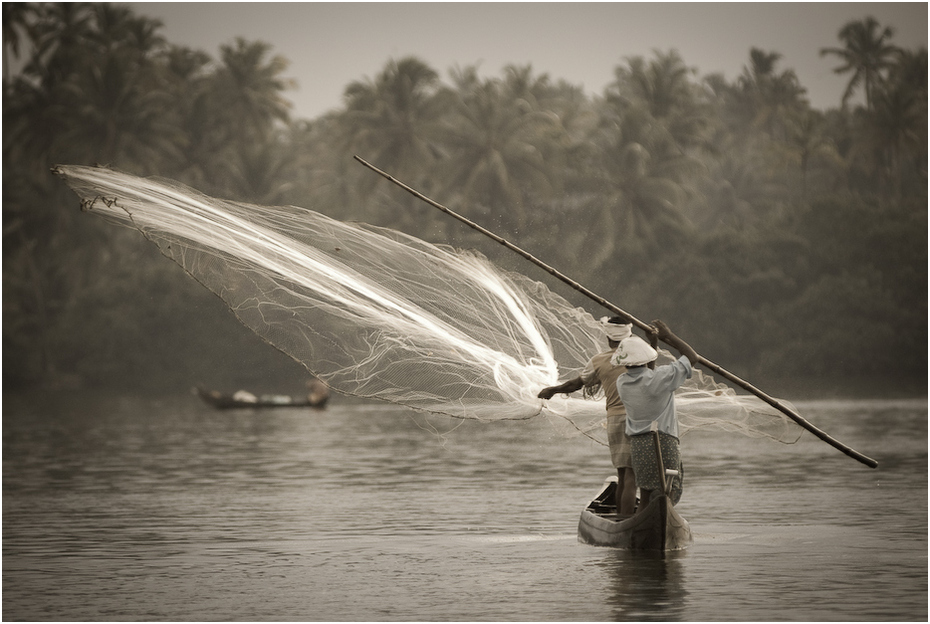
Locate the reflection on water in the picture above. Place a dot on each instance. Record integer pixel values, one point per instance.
(646, 586)
(119, 508)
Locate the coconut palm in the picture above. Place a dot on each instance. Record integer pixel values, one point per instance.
(496, 146)
(657, 107)
(392, 119)
(119, 109)
(572, 115)
(642, 186)
(770, 99)
(808, 140)
(664, 88)
(190, 85)
(887, 145)
(261, 172)
(92, 89)
(120, 115)
(867, 54)
(58, 28)
(118, 27)
(661, 84)
(252, 87)
(36, 107)
(533, 90)
(16, 19)
(645, 205)
(896, 132)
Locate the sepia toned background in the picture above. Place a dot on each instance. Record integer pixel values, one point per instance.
(754, 174)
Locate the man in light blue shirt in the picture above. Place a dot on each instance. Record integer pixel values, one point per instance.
(649, 397)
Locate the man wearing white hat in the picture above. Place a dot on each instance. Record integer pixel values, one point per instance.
(600, 373)
(649, 396)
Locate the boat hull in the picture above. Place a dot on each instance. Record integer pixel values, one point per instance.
(225, 401)
(658, 527)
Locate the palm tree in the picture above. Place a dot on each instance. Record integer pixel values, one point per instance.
(887, 145)
(661, 84)
(771, 99)
(531, 90)
(253, 87)
(16, 19)
(573, 119)
(191, 87)
(496, 145)
(645, 203)
(120, 114)
(808, 138)
(896, 129)
(867, 53)
(92, 90)
(119, 108)
(656, 123)
(911, 73)
(116, 26)
(36, 104)
(392, 120)
(642, 186)
(664, 88)
(261, 172)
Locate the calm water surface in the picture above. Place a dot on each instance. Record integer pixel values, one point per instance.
(122, 508)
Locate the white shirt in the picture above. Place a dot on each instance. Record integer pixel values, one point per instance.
(649, 396)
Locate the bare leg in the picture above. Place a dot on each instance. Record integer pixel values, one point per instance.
(621, 486)
(628, 504)
(644, 497)
(626, 492)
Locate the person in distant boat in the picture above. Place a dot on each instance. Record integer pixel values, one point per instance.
(318, 391)
(600, 373)
(649, 396)
(244, 396)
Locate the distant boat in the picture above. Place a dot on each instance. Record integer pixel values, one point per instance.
(318, 397)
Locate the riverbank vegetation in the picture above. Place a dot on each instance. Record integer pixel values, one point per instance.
(786, 243)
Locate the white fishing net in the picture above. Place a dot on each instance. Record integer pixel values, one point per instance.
(379, 314)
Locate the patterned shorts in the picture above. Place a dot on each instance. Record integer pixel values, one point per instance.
(646, 464)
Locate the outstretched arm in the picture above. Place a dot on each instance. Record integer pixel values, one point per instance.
(665, 335)
(654, 343)
(569, 386)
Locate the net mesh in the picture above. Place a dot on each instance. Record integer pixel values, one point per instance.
(379, 314)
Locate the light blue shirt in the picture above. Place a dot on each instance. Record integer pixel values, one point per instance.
(649, 396)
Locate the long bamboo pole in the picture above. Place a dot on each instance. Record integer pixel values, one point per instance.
(717, 369)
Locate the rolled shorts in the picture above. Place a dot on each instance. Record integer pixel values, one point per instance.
(620, 451)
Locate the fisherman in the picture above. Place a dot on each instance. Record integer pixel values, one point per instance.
(318, 391)
(600, 373)
(649, 396)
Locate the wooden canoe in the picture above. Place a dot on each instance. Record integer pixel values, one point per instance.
(658, 527)
(223, 401)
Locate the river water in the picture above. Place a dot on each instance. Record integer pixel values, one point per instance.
(124, 508)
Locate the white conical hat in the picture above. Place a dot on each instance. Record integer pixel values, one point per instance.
(633, 351)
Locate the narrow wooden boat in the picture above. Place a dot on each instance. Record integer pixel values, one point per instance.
(657, 527)
(241, 399)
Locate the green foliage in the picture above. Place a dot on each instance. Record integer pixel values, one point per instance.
(785, 243)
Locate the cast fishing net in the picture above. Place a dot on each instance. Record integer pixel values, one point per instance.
(379, 314)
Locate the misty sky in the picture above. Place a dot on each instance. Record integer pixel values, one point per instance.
(330, 45)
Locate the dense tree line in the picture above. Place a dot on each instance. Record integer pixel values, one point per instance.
(787, 243)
